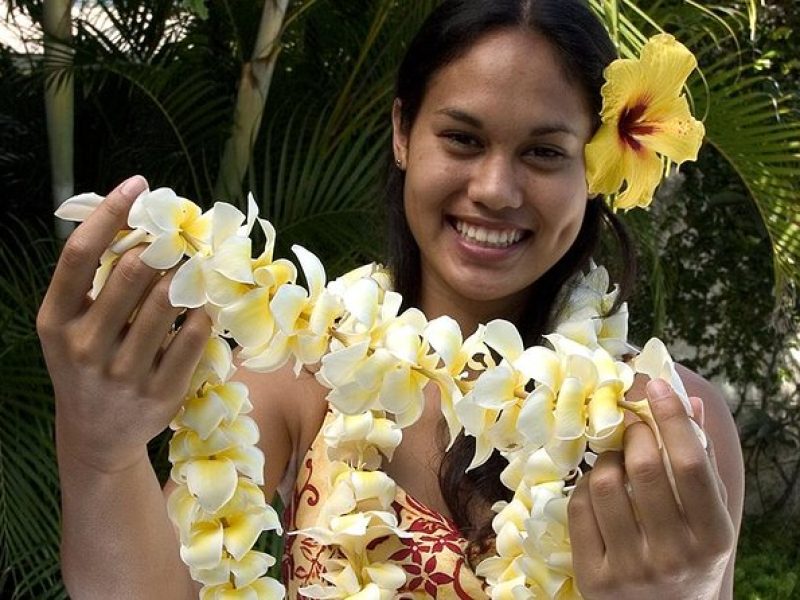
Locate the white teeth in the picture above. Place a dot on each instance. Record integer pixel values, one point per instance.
(491, 238)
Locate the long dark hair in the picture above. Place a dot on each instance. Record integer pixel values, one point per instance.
(585, 50)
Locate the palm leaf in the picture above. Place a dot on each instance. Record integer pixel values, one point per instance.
(29, 500)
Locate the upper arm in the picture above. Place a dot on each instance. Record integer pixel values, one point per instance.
(721, 430)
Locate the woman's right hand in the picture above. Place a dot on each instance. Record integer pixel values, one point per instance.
(118, 380)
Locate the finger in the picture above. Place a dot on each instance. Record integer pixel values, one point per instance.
(614, 512)
(79, 260)
(694, 476)
(114, 308)
(139, 348)
(588, 548)
(174, 370)
(712, 456)
(698, 410)
(659, 515)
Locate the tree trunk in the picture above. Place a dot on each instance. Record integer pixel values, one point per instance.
(59, 103)
(250, 100)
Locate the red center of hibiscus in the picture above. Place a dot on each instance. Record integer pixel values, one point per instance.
(630, 126)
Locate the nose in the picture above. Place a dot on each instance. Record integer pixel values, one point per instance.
(494, 183)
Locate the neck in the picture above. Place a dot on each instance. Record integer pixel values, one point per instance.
(437, 300)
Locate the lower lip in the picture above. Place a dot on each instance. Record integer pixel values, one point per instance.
(485, 253)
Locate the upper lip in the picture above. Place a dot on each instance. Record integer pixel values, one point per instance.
(487, 223)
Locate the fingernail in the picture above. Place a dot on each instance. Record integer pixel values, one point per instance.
(658, 389)
(701, 414)
(133, 186)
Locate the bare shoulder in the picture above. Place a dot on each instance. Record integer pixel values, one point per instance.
(289, 410)
(721, 429)
(727, 452)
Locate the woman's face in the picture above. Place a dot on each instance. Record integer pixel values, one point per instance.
(495, 187)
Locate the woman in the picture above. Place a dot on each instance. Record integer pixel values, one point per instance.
(490, 216)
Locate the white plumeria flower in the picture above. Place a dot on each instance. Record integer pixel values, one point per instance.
(209, 467)
(360, 440)
(234, 528)
(655, 361)
(216, 404)
(583, 318)
(382, 372)
(363, 580)
(241, 572)
(249, 319)
(215, 366)
(223, 272)
(264, 588)
(444, 336)
(303, 317)
(352, 532)
(178, 227)
(352, 489)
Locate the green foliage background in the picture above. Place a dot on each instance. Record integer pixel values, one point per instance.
(155, 96)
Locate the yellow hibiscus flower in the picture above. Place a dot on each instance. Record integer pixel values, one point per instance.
(645, 120)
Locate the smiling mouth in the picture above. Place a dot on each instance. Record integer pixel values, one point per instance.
(488, 238)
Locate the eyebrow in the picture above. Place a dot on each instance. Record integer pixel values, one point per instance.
(542, 129)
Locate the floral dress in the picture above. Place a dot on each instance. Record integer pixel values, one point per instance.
(433, 558)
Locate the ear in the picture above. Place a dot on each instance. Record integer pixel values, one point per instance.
(399, 136)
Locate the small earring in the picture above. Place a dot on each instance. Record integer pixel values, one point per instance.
(399, 164)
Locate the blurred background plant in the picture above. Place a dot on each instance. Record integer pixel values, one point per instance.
(291, 99)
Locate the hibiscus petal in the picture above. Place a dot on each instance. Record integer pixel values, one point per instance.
(678, 135)
(643, 173)
(605, 175)
(667, 64)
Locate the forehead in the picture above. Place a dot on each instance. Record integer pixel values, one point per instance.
(510, 75)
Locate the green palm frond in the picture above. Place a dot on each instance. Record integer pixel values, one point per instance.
(29, 501)
(322, 196)
(752, 125)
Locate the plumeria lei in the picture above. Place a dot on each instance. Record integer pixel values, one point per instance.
(546, 409)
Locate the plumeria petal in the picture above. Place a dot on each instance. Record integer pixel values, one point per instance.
(188, 285)
(204, 548)
(212, 482)
(503, 337)
(78, 207)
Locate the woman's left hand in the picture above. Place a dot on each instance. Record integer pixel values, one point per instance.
(642, 544)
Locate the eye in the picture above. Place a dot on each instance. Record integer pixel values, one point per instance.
(461, 141)
(547, 153)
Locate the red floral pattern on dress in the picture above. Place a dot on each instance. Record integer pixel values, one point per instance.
(433, 558)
